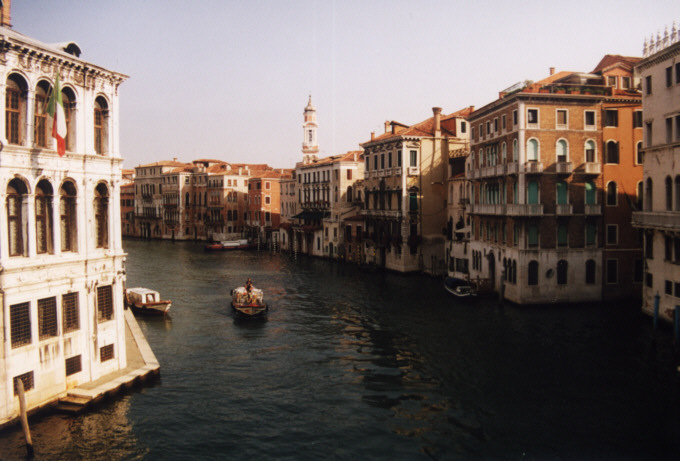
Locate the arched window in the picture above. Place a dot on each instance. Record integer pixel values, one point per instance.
(68, 98)
(590, 271)
(561, 193)
(648, 195)
(101, 215)
(532, 150)
(16, 217)
(562, 269)
(590, 151)
(591, 196)
(612, 191)
(612, 149)
(561, 150)
(101, 126)
(15, 108)
(42, 136)
(67, 211)
(669, 193)
(504, 153)
(532, 193)
(533, 273)
(639, 155)
(43, 218)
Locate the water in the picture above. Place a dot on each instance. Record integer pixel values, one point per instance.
(357, 365)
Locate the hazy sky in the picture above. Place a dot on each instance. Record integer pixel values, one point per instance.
(229, 79)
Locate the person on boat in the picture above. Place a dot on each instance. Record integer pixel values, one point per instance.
(249, 285)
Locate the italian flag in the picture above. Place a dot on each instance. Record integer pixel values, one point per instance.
(55, 109)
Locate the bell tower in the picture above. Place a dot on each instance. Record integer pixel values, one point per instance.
(310, 144)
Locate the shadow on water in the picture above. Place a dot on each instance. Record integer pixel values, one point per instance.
(350, 364)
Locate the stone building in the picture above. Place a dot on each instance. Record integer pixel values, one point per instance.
(405, 192)
(61, 256)
(659, 219)
(553, 175)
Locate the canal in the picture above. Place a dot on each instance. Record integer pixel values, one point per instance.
(351, 365)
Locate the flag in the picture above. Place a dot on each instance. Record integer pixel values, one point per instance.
(55, 109)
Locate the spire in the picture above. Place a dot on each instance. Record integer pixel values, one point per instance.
(310, 145)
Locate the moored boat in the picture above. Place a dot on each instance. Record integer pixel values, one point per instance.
(146, 301)
(460, 288)
(229, 245)
(249, 303)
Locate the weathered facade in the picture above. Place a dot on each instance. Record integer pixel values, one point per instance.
(61, 257)
(659, 73)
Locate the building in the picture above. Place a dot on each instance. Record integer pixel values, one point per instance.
(149, 199)
(553, 179)
(264, 206)
(405, 192)
(659, 219)
(61, 256)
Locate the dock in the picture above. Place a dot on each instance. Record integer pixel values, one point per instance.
(142, 367)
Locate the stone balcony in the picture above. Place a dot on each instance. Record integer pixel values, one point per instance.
(657, 220)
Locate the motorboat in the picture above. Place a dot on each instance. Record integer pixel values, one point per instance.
(229, 245)
(248, 302)
(146, 301)
(460, 288)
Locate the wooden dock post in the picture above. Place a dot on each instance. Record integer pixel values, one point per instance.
(24, 417)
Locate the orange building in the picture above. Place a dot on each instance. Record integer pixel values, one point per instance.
(264, 205)
(553, 175)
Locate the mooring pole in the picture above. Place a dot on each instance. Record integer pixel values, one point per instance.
(24, 417)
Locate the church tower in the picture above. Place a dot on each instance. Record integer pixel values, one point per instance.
(310, 145)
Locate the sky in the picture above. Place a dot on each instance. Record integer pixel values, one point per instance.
(229, 79)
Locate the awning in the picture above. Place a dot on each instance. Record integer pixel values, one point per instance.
(312, 215)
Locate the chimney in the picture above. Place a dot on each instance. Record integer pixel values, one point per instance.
(5, 15)
(387, 126)
(552, 71)
(174, 159)
(437, 111)
(372, 135)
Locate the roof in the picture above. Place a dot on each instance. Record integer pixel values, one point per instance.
(612, 60)
(422, 129)
(168, 163)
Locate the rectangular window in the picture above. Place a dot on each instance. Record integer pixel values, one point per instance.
(611, 117)
(669, 76)
(676, 250)
(667, 248)
(669, 130)
(349, 172)
(375, 162)
(481, 131)
(73, 365)
(637, 119)
(414, 158)
(20, 324)
(389, 161)
(106, 353)
(638, 271)
(625, 83)
(590, 119)
(612, 234)
(488, 127)
(104, 303)
(677, 72)
(533, 236)
(648, 84)
(649, 280)
(561, 118)
(591, 234)
(612, 271)
(26, 380)
(495, 125)
(648, 134)
(611, 81)
(472, 135)
(503, 126)
(668, 287)
(532, 116)
(47, 318)
(677, 127)
(413, 201)
(398, 158)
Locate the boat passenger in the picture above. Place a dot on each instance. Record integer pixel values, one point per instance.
(249, 285)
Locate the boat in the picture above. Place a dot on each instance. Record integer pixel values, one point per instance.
(229, 245)
(248, 304)
(146, 301)
(460, 288)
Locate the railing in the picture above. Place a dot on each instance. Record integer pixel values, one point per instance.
(413, 170)
(593, 209)
(563, 167)
(533, 167)
(525, 210)
(512, 168)
(565, 209)
(485, 208)
(656, 220)
(592, 168)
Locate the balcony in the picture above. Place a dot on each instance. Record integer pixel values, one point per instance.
(397, 171)
(656, 220)
(525, 210)
(489, 209)
(512, 168)
(533, 167)
(565, 209)
(593, 210)
(592, 168)
(393, 214)
(563, 168)
(413, 171)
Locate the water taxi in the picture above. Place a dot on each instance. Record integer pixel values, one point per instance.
(460, 288)
(229, 245)
(146, 301)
